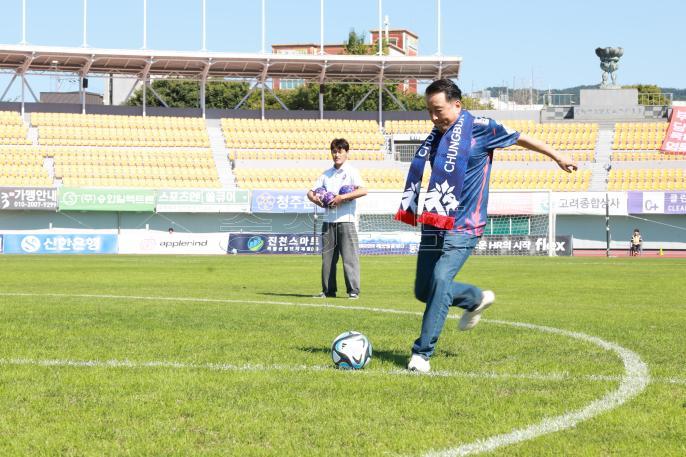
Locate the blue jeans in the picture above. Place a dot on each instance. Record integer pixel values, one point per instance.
(441, 255)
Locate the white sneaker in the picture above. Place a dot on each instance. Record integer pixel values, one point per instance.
(418, 363)
(470, 318)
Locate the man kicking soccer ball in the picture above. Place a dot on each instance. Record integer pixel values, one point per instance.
(460, 150)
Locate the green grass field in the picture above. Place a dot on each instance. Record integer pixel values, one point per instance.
(185, 356)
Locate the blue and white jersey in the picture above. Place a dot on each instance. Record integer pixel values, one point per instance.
(487, 135)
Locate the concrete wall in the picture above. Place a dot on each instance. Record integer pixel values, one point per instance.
(608, 97)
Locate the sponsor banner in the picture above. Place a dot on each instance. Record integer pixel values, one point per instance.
(80, 199)
(634, 202)
(60, 244)
(28, 198)
(375, 243)
(383, 202)
(646, 202)
(274, 243)
(675, 202)
(529, 203)
(202, 201)
(281, 201)
(675, 137)
(0, 244)
(522, 245)
(156, 242)
(507, 203)
(380, 202)
(657, 202)
(590, 203)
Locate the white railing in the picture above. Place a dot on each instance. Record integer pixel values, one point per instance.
(558, 99)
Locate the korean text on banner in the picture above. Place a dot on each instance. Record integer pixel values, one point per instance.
(60, 244)
(274, 243)
(281, 201)
(28, 198)
(591, 203)
(675, 138)
(202, 201)
(673, 202)
(80, 199)
(522, 245)
(379, 243)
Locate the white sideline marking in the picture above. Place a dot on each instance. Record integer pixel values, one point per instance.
(633, 382)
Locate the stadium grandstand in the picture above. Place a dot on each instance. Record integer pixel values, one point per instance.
(119, 150)
(109, 147)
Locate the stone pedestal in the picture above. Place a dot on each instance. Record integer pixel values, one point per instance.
(610, 104)
(608, 97)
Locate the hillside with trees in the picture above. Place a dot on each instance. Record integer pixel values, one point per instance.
(523, 95)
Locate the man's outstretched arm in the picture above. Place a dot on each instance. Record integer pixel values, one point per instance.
(537, 145)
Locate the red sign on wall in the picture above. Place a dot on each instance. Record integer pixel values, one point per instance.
(675, 138)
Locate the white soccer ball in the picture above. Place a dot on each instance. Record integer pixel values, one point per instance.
(351, 350)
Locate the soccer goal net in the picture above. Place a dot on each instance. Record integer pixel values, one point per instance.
(519, 223)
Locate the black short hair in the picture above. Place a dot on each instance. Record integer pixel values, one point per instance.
(340, 143)
(447, 86)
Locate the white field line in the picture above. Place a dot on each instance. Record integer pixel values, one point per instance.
(250, 367)
(632, 383)
(133, 364)
(323, 304)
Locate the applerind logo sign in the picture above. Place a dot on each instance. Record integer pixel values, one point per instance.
(159, 242)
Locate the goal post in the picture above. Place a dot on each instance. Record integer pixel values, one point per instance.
(520, 222)
(525, 219)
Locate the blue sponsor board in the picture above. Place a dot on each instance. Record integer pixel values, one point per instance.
(281, 201)
(60, 244)
(394, 243)
(522, 245)
(274, 243)
(386, 248)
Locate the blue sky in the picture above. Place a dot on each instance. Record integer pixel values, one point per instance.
(501, 41)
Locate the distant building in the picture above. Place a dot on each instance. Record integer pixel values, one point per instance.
(118, 88)
(401, 42)
(70, 97)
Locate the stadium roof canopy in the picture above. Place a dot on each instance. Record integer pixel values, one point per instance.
(27, 59)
